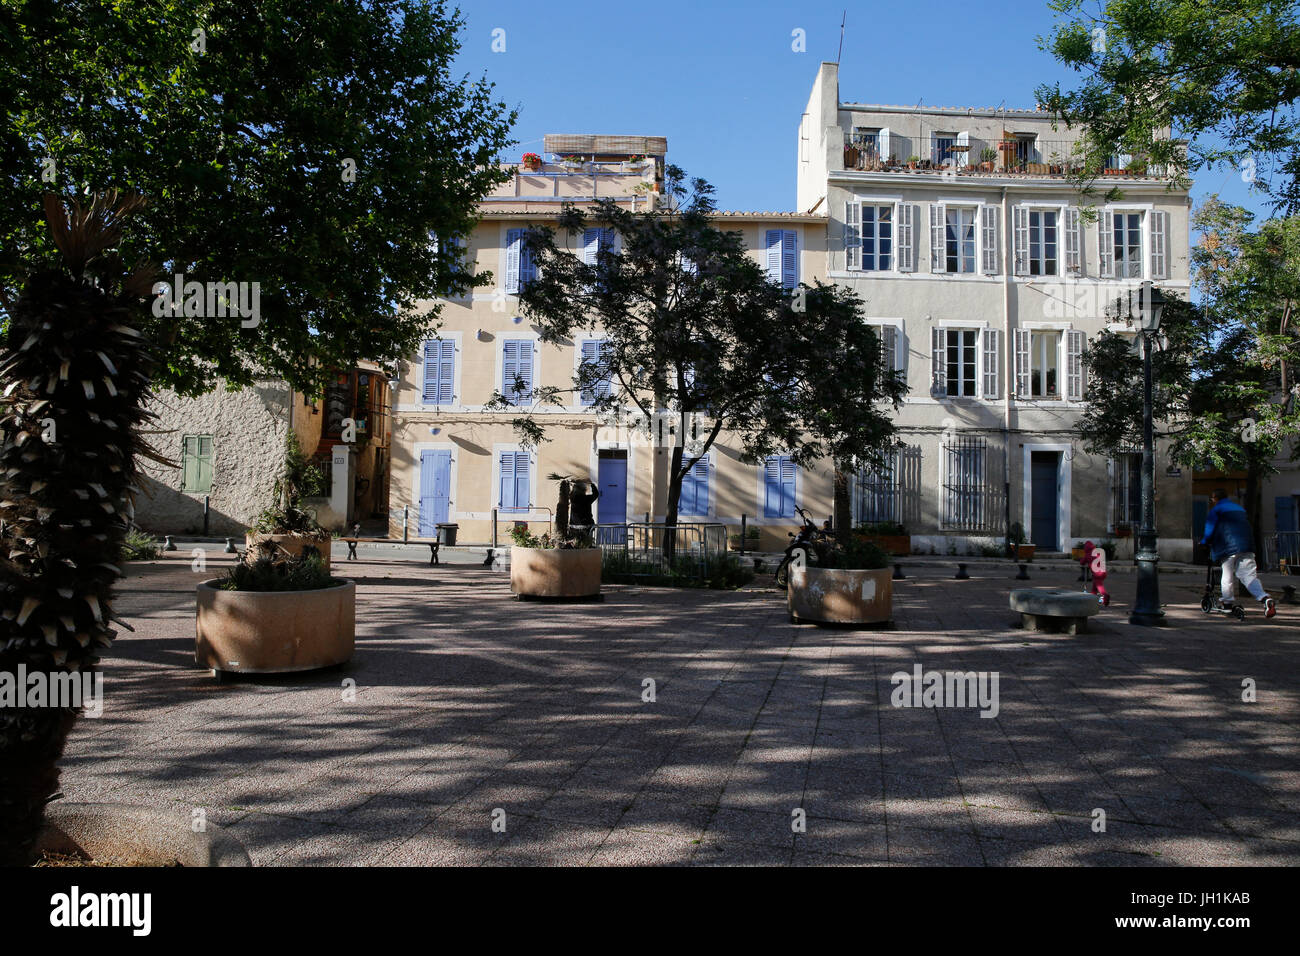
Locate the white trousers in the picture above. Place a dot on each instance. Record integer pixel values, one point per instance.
(1243, 567)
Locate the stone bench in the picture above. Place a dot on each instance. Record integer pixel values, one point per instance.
(1052, 609)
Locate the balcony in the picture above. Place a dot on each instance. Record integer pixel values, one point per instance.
(1015, 157)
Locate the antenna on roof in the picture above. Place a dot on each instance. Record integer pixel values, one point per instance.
(843, 20)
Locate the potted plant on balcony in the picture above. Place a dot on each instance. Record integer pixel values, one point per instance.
(851, 584)
(532, 162)
(287, 529)
(912, 161)
(988, 158)
(271, 617)
(850, 157)
(563, 563)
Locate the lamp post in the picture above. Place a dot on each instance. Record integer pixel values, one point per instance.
(1146, 609)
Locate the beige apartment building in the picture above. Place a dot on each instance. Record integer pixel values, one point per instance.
(456, 462)
(959, 229)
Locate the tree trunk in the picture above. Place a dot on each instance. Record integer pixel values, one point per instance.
(1252, 504)
(843, 505)
(674, 496)
(562, 509)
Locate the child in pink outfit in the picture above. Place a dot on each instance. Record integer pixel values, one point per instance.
(1095, 559)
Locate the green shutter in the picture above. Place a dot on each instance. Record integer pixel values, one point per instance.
(196, 463)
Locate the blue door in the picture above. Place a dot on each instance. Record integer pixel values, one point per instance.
(435, 491)
(1044, 506)
(611, 507)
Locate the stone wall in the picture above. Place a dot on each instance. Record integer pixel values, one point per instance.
(248, 430)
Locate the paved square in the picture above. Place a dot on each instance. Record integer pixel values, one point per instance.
(469, 702)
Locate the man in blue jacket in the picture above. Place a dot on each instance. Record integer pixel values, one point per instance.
(1227, 532)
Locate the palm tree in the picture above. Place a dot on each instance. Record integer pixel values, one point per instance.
(75, 372)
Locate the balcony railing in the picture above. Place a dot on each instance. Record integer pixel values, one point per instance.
(1007, 157)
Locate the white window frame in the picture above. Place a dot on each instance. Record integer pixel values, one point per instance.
(900, 340)
(1057, 258)
(494, 493)
(982, 329)
(578, 342)
(976, 228)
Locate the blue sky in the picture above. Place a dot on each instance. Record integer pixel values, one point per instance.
(721, 82)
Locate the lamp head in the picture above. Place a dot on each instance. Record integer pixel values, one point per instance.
(1152, 306)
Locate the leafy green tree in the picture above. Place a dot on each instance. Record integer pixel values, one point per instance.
(692, 324)
(1222, 75)
(1225, 383)
(307, 146)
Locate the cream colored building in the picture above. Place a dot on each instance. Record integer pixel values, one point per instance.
(455, 462)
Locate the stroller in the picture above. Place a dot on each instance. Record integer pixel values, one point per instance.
(1213, 577)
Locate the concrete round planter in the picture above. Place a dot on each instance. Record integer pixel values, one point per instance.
(555, 572)
(123, 834)
(291, 544)
(272, 632)
(841, 596)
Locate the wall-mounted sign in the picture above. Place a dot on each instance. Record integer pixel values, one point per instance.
(1173, 472)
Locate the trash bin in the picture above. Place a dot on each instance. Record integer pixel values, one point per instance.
(447, 534)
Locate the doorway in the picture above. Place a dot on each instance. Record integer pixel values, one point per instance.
(1045, 505)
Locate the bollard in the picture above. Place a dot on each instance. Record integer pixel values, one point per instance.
(961, 573)
(758, 565)
(168, 543)
(1288, 594)
(898, 573)
(405, 510)
(206, 509)
(230, 546)
(742, 533)
(1024, 573)
(494, 530)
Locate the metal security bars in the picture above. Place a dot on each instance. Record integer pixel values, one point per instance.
(638, 549)
(973, 492)
(892, 492)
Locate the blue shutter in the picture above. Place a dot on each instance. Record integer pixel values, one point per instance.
(527, 267)
(789, 259)
(694, 501)
(514, 481)
(517, 364)
(772, 254)
(522, 497)
(787, 488)
(513, 242)
(772, 487)
(590, 355)
(590, 243)
(526, 368)
(439, 371)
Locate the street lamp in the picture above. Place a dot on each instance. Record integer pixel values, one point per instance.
(1146, 609)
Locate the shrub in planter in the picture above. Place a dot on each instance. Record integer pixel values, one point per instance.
(888, 535)
(286, 529)
(562, 563)
(852, 585)
(275, 616)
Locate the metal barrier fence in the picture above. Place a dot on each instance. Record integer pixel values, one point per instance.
(642, 549)
(1281, 546)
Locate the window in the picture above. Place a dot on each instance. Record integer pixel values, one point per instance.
(694, 500)
(1128, 245)
(592, 374)
(781, 257)
(1126, 490)
(973, 496)
(439, 371)
(877, 237)
(943, 148)
(517, 369)
(890, 337)
(778, 487)
(520, 269)
(960, 362)
(877, 496)
(1043, 348)
(516, 491)
(1042, 242)
(867, 139)
(196, 463)
(1025, 151)
(959, 240)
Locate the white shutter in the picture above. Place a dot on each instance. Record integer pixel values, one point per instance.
(905, 237)
(990, 383)
(1020, 224)
(938, 373)
(889, 345)
(852, 235)
(1159, 244)
(1073, 242)
(513, 242)
(1106, 244)
(772, 258)
(1074, 342)
(963, 156)
(885, 154)
(938, 262)
(1022, 364)
(989, 221)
